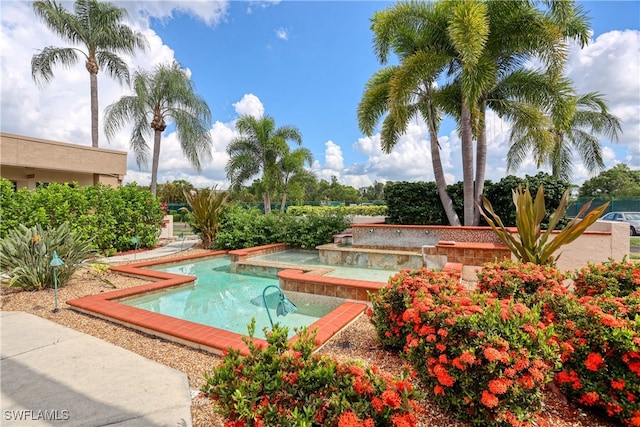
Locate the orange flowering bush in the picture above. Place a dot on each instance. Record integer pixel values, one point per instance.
(390, 302)
(517, 280)
(485, 359)
(600, 351)
(287, 385)
(616, 278)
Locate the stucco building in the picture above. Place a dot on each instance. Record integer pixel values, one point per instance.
(28, 161)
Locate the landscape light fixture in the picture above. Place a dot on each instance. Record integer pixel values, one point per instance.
(284, 306)
(55, 263)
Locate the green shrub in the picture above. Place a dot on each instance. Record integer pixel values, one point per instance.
(391, 302)
(245, 228)
(108, 216)
(520, 281)
(616, 278)
(290, 386)
(25, 255)
(342, 210)
(600, 342)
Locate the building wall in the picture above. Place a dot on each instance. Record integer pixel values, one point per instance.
(27, 161)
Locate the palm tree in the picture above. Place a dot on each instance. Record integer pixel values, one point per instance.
(383, 94)
(258, 149)
(166, 94)
(291, 164)
(565, 130)
(95, 26)
(473, 46)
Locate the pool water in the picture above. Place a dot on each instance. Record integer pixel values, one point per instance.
(229, 301)
(311, 258)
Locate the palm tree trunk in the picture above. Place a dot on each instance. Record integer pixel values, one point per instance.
(156, 160)
(467, 162)
(93, 78)
(481, 163)
(267, 202)
(441, 183)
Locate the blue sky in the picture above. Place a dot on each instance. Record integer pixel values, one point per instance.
(304, 63)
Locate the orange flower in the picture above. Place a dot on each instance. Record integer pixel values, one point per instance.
(377, 405)
(492, 355)
(36, 239)
(467, 357)
(438, 390)
(348, 419)
(489, 400)
(594, 362)
(391, 398)
(499, 385)
(590, 398)
(617, 384)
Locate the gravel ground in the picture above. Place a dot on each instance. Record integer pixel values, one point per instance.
(357, 341)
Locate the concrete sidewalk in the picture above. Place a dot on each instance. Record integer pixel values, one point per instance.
(172, 248)
(52, 375)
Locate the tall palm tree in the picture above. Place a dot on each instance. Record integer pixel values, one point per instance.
(291, 164)
(480, 44)
(564, 131)
(258, 149)
(406, 36)
(165, 94)
(95, 26)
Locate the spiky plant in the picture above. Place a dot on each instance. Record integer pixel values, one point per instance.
(25, 255)
(207, 207)
(533, 244)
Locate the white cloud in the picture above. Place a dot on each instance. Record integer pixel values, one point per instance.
(249, 105)
(282, 34)
(207, 11)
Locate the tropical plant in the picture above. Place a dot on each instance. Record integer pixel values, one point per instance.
(600, 338)
(109, 217)
(380, 92)
(291, 164)
(25, 255)
(484, 358)
(286, 384)
(572, 128)
(479, 49)
(96, 26)
(259, 148)
(532, 244)
(207, 210)
(618, 278)
(165, 94)
(519, 281)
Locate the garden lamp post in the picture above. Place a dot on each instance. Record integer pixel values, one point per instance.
(55, 263)
(134, 240)
(284, 306)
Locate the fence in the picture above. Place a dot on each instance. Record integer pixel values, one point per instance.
(629, 204)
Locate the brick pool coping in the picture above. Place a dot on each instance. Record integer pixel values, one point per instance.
(106, 306)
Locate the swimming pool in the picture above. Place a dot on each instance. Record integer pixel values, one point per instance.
(110, 306)
(229, 301)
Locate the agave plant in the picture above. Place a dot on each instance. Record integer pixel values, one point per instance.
(25, 255)
(207, 207)
(532, 243)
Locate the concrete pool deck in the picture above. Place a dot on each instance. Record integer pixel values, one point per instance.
(54, 375)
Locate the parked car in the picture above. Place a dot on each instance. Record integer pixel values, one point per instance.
(633, 218)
